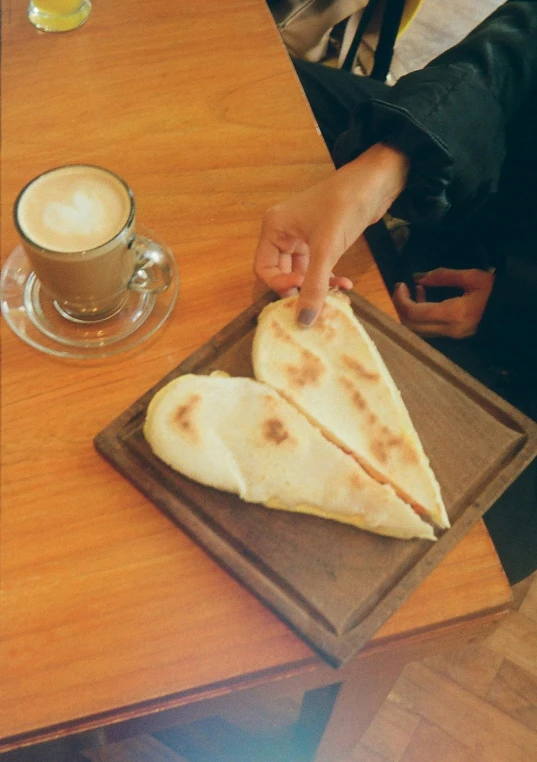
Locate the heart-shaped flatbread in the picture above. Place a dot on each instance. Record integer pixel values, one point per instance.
(239, 435)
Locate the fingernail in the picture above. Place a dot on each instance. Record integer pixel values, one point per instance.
(419, 276)
(306, 317)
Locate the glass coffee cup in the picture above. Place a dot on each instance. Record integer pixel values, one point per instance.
(77, 227)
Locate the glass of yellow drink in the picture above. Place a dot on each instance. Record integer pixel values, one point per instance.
(58, 15)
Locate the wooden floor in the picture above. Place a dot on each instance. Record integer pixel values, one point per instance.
(474, 704)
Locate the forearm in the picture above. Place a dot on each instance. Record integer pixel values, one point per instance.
(303, 237)
(368, 185)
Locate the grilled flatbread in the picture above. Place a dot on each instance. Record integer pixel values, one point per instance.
(333, 373)
(239, 435)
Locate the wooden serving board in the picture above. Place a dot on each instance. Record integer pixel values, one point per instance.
(333, 584)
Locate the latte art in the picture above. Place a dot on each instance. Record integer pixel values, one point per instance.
(83, 215)
(73, 209)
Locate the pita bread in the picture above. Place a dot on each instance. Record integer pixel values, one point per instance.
(274, 457)
(333, 373)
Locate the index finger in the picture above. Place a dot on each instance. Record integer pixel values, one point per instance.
(314, 290)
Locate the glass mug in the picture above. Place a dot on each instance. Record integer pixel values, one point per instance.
(77, 227)
(58, 15)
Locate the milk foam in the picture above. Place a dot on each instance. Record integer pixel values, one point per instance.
(82, 215)
(73, 209)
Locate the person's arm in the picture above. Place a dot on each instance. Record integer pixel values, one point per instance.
(447, 122)
(303, 237)
(476, 100)
(452, 118)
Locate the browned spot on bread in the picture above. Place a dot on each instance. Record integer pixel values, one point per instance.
(274, 431)
(383, 442)
(356, 481)
(325, 323)
(353, 364)
(309, 371)
(410, 454)
(183, 417)
(357, 398)
(389, 441)
(280, 334)
(378, 449)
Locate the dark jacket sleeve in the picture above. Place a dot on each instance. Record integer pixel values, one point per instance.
(452, 117)
(460, 120)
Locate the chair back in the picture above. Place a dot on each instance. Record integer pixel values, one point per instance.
(344, 33)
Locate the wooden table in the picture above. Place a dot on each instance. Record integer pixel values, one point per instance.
(111, 617)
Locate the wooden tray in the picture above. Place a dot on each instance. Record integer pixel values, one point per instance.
(333, 584)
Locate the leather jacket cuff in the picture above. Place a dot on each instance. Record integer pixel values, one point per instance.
(425, 198)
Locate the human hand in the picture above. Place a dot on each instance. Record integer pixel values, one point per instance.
(458, 317)
(307, 228)
(304, 237)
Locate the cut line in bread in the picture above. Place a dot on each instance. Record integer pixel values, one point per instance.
(276, 457)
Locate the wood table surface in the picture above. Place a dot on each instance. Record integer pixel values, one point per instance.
(108, 611)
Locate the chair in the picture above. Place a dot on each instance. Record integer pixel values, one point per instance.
(349, 34)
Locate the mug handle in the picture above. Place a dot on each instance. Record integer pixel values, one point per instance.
(153, 266)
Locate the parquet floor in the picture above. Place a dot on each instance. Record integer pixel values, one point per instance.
(474, 704)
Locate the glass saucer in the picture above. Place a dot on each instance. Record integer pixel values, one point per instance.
(33, 316)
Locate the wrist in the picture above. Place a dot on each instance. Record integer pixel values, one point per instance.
(380, 175)
(390, 168)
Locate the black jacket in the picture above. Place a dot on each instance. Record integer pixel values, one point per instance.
(468, 121)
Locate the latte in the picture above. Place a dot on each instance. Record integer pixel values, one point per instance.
(77, 228)
(73, 209)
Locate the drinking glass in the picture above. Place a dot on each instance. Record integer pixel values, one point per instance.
(58, 15)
